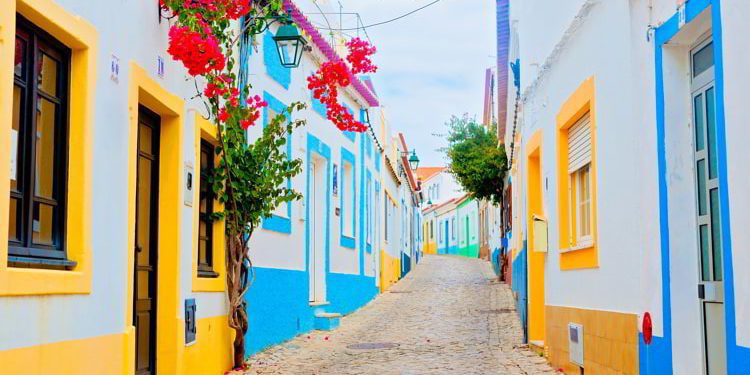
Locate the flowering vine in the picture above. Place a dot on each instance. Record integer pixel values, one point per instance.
(334, 74)
(249, 177)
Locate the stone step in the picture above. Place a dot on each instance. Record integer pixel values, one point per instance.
(327, 321)
(537, 346)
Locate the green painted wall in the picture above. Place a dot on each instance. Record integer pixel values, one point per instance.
(468, 217)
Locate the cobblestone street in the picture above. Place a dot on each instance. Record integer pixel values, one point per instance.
(448, 316)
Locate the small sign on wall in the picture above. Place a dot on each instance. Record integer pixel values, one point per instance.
(114, 69)
(160, 66)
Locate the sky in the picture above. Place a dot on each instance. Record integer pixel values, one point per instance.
(431, 64)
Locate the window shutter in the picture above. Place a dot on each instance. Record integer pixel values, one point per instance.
(579, 144)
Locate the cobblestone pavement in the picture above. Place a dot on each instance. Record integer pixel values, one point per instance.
(448, 316)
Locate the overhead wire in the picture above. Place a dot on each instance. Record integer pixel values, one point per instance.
(387, 21)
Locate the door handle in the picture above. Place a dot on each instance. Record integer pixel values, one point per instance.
(138, 249)
(701, 291)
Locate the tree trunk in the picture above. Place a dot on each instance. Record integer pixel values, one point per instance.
(238, 267)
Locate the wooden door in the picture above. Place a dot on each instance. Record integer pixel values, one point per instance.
(146, 242)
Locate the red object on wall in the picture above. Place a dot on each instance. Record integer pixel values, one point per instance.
(647, 328)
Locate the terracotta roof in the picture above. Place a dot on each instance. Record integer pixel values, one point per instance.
(424, 173)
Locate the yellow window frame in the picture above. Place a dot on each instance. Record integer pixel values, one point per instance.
(204, 129)
(82, 38)
(573, 255)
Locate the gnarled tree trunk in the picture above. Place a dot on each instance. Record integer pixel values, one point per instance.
(238, 271)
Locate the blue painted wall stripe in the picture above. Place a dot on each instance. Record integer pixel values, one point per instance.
(738, 357)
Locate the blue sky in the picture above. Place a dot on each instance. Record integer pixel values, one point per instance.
(431, 64)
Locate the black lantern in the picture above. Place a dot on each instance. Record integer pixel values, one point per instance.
(414, 160)
(290, 45)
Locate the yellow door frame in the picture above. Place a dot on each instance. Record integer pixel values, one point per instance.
(144, 90)
(536, 259)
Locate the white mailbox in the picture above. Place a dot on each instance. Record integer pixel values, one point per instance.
(575, 343)
(540, 240)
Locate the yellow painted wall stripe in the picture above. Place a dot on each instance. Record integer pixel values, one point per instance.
(94, 355)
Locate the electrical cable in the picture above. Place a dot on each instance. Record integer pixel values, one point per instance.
(390, 20)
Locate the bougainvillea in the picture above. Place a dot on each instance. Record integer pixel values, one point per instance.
(200, 53)
(249, 177)
(359, 56)
(334, 74)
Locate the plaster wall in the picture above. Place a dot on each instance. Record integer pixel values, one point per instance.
(34, 320)
(734, 15)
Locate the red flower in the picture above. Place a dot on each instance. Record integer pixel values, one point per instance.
(200, 54)
(331, 75)
(223, 115)
(359, 56)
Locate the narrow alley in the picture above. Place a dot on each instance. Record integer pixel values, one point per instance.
(463, 322)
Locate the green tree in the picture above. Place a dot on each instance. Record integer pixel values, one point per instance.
(475, 158)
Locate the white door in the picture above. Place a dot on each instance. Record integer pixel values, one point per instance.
(709, 236)
(318, 228)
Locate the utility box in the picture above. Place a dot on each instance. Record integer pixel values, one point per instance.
(575, 343)
(190, 321)
(540, 240)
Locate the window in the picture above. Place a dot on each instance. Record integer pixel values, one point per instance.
(206, 210)
(583, 201)
(432, 233)
(576, 164)
(347, 199)
(579, 160)
(39, 149)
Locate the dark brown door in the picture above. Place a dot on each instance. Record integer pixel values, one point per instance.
(146, 239)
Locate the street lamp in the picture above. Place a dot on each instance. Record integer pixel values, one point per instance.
(290, 45)
(414, 160)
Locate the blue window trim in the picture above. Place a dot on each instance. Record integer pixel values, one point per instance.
(318, 107)
(364, 208)
(315, 146)
(368, 208)
(365, 136)
(738, 357)
(348, 157)
(274, 69)
(277, 223)
(350, 135)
